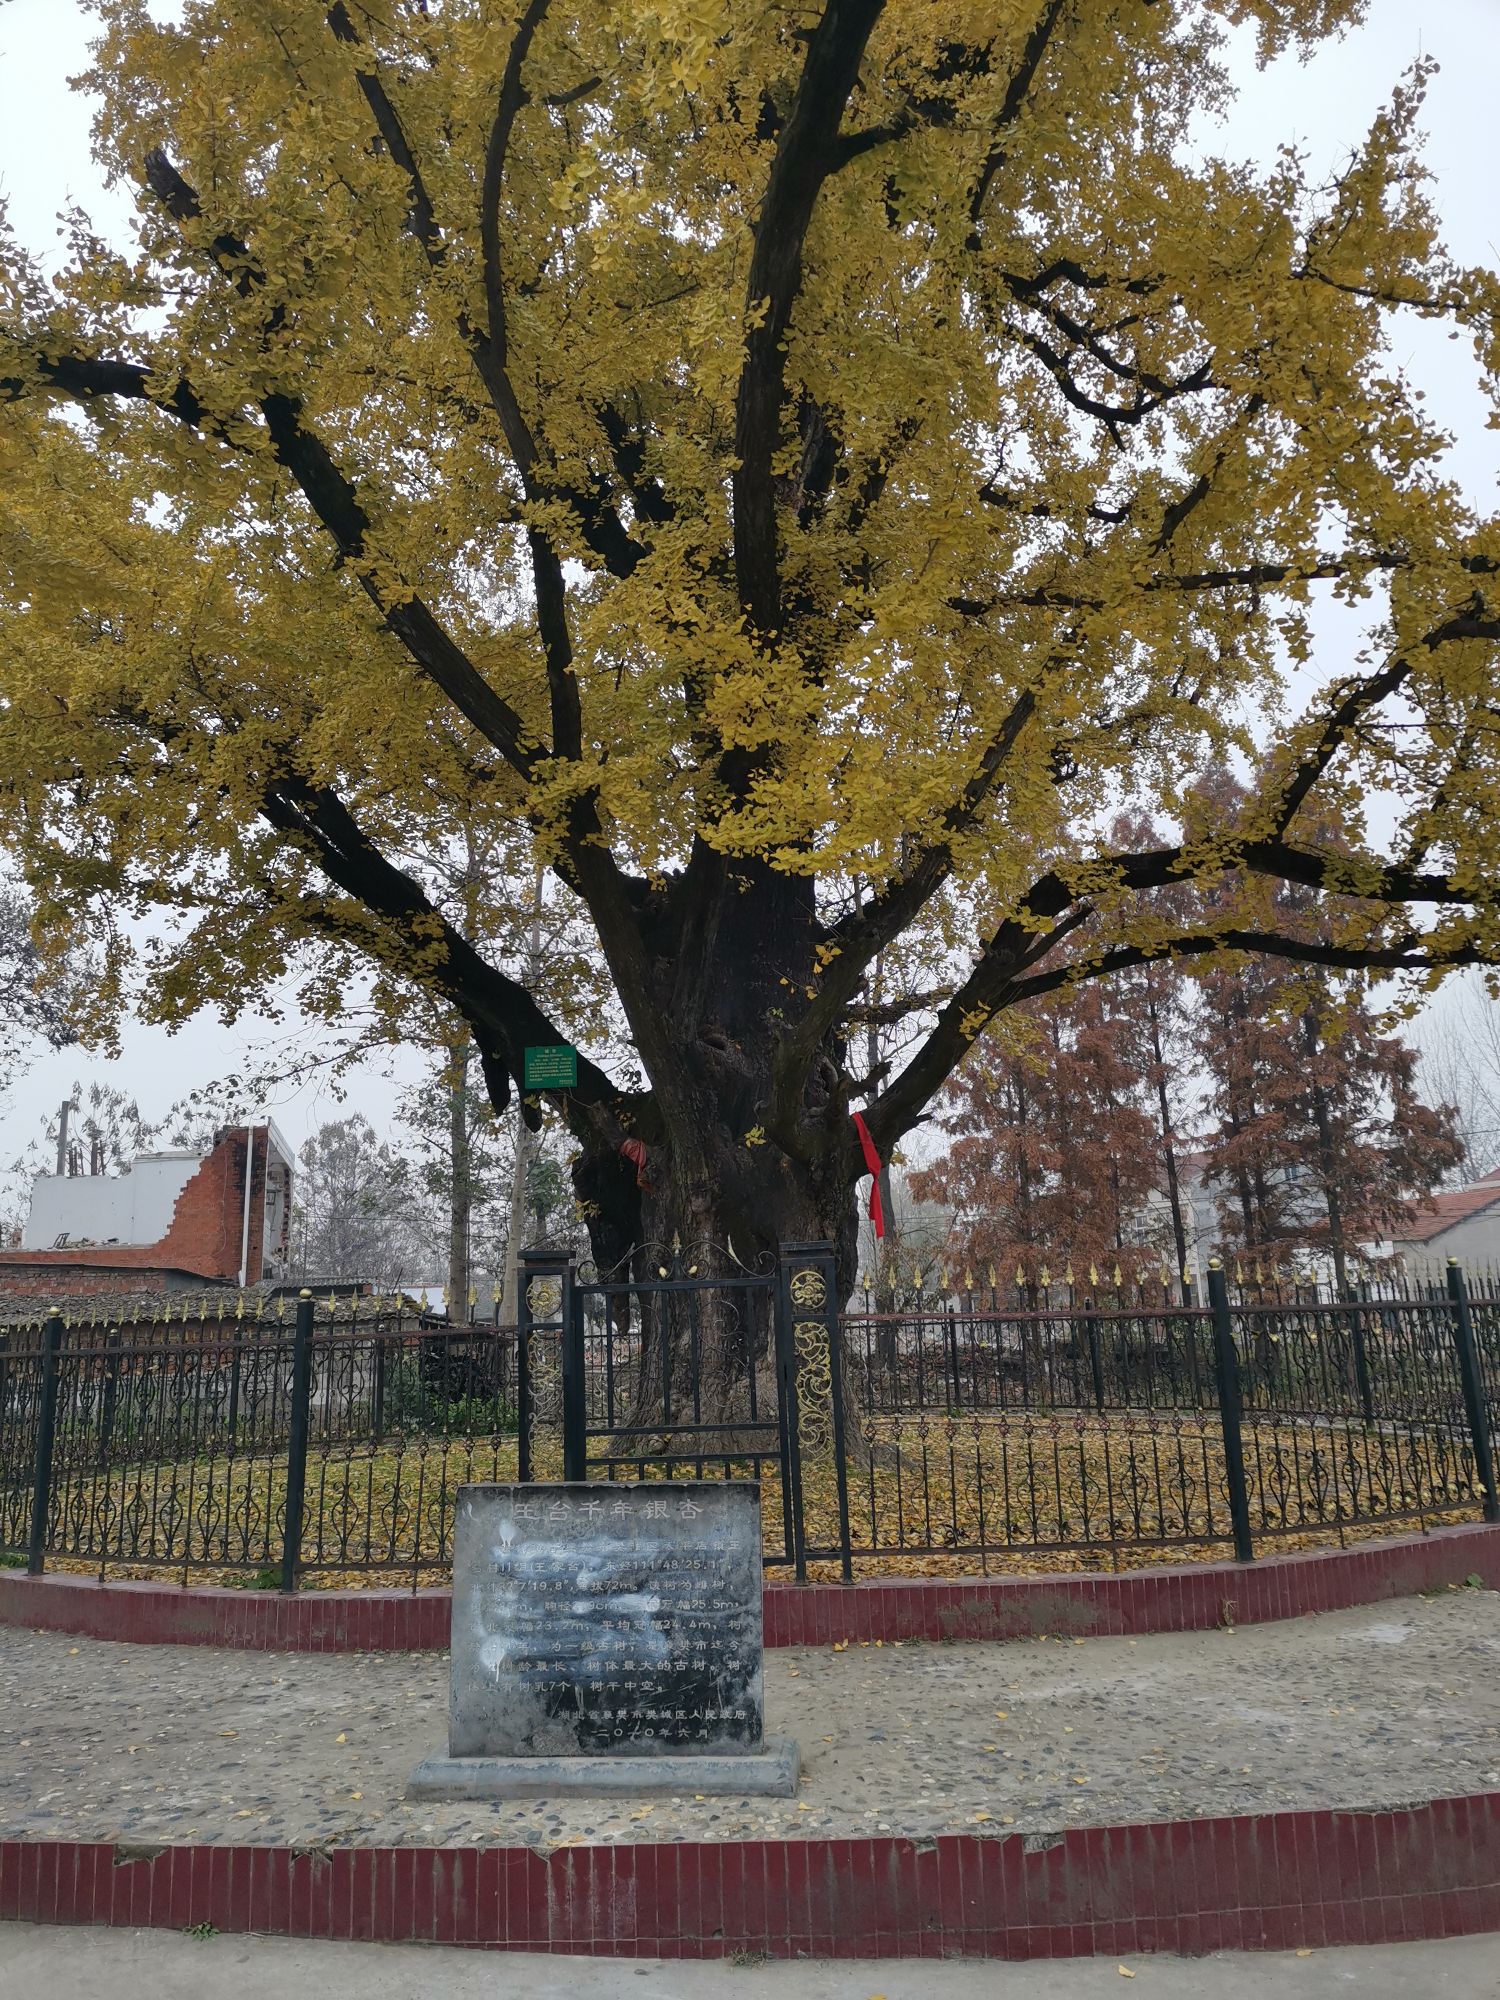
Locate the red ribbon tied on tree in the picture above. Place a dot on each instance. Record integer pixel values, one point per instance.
(634, 1150)
(872, 1167)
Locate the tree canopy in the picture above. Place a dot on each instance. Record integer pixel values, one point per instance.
(797, 473)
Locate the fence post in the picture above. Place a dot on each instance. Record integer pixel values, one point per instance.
(575, 1414)
(377, 1387)
(111, 1391)
(808, 1299)
(544, 1311)
(46, 1438)
(296, 1451)
(1474, 1405)
(236, 1342)
(1360, 1354)
(956, 1394)
(1096, 1358)
(523, 1379)
(1227, 1379)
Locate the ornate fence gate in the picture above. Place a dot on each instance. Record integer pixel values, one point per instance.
(241, 1441)
(691, 1366)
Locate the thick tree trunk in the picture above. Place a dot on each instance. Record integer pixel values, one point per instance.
(694, 1176)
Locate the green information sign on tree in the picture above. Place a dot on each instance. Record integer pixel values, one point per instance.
(552, 1068)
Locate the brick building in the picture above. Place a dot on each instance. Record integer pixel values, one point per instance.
(171, 1221)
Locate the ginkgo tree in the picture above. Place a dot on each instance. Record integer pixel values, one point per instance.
(802, 471)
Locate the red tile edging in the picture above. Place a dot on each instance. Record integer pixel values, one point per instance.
(1270, 1882)
(1190, 1598)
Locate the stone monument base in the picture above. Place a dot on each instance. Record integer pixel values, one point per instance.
(768, 1773)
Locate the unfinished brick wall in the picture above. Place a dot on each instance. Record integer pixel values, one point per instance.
(203, 1240)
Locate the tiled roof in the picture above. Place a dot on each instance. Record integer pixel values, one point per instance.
(1442, 1211)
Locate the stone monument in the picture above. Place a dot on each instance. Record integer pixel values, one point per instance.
(607, 1639)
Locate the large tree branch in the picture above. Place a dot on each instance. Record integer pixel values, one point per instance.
(601, 526)
(1358, 697)
(492, 353)
(806, 153)
(867, 930)
(1016, 93)
(1410, 953)
(335, 503)
(857, 939)
(422, 220)
(1001, 981)
(504, 1017)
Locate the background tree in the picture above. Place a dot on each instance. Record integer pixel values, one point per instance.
(1054, 1150)
(98, 1129)
(41, 1000)
(1254, 1098)
(355, 1216)
(1367, 1141)
(738, 463)
(1459, 1064)
(1323, 1141)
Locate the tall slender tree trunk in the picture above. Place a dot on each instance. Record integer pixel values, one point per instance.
(460, 1183)
(1168, 1141)
(886, 1253)
(1327, 1162)
(517, 1227)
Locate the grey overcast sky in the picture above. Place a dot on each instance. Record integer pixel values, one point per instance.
(1325, 106)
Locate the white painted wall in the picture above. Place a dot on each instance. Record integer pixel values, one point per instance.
(133, 1207)
(1473, 1241)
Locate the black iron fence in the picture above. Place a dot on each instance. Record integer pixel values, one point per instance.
(959, 1432)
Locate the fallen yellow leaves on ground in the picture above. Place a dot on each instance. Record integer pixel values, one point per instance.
(995, 1493)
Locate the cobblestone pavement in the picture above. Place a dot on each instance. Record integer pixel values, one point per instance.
(1380, 1706)
(153, 1965)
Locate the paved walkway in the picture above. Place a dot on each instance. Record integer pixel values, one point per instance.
(1374, 1707)
(152, 1965)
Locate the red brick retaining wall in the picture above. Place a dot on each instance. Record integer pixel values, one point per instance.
(1268, 1882)
(1192, 1598)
